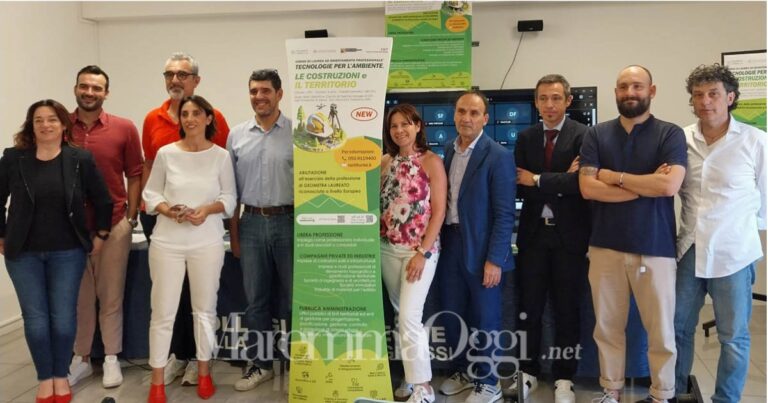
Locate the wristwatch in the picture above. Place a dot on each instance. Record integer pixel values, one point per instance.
(103, 237)
(134, 222)
(536, 179)
(427, 254)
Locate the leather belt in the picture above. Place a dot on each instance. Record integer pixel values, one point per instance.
(549, 222)
(268, 211)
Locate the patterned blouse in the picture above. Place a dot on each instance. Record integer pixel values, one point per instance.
(405, 208)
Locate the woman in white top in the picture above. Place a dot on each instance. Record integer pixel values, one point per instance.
(191, 188)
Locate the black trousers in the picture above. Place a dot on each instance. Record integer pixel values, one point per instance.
(546, 270)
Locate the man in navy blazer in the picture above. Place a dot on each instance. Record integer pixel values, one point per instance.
(476, 242)
(552, 236)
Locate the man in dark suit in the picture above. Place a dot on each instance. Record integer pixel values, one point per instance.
(476, 242)
(552, 236)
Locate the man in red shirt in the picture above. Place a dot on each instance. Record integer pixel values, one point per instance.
(114, 142)
(161, 127)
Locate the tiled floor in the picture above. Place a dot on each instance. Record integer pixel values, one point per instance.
(18, 381)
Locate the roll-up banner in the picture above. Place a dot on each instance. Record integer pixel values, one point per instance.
(338, 345)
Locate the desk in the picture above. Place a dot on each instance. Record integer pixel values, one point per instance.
(231, 302)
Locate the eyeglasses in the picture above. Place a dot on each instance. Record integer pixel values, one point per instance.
(181, 75)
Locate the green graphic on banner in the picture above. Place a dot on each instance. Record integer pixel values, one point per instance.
(338, 344)
(749, 68)
(751, 112)
(432, 45)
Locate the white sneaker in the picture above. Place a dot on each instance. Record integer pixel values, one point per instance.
(421, 395)
(484, 393)
(404, 391)
(609, 396)
(190, 374)
(457, 383)
(173, 369)
(78, 370)
(113, 376)
(529, 384)
(564, 391)
(254, 377)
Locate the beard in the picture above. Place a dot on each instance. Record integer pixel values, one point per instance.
(176, 93)
(82, 104)
(642, 106)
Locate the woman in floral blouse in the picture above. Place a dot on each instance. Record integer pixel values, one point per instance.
(413, 198)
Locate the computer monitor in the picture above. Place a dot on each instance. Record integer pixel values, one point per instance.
(509, 112)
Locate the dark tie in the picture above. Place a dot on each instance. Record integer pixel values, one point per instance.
(551, 134)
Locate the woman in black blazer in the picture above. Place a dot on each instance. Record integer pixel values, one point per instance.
(44, 236)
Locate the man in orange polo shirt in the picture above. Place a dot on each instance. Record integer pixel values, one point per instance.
(161, 127)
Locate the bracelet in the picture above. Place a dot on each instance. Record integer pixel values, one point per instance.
(621, 180)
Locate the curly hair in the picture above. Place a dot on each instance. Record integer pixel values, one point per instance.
(712, 74)
(25, 138)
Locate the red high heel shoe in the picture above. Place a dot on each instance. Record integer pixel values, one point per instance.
(156, 393)
(62, 398)
(205, 388)
(49, 399)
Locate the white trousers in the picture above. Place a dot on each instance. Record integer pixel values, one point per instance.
(166, 269)
(408, 300)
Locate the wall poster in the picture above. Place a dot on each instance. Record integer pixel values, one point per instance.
(432, 45)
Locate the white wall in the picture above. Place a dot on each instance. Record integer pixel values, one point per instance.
(588, 42)
(42, 46)
(228, 48)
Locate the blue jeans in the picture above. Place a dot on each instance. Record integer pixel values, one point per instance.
(732, 302)
(47, 285)
(266, 253)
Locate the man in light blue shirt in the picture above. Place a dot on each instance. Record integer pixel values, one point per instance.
(476, 249)
(262, 155)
